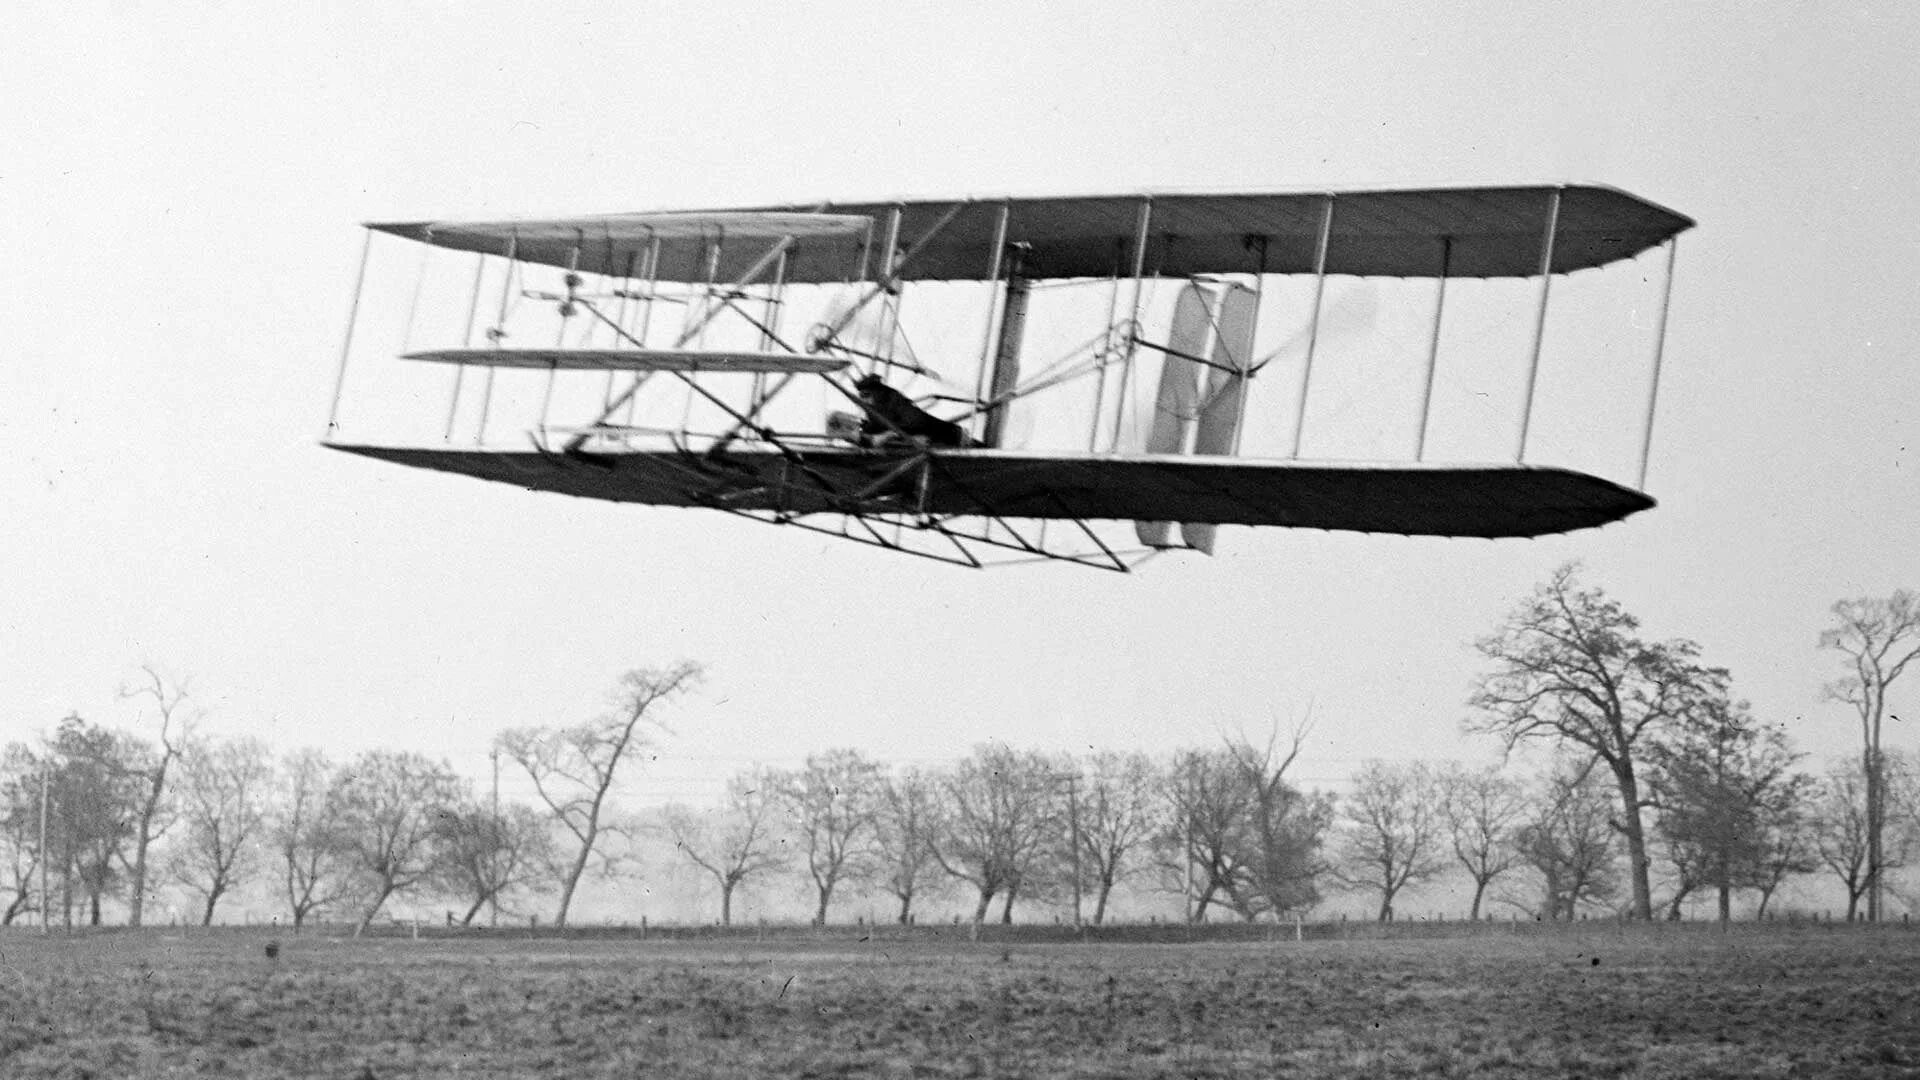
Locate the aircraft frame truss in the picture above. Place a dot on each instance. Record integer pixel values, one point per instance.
(898, 479)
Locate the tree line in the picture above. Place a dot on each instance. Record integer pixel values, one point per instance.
(1659, 787)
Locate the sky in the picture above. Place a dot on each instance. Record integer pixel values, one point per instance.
(180, 190)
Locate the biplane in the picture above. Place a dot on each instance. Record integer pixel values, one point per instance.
(989, 379)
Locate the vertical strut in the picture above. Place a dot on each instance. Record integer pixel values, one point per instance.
(1659, 353)
(770, 328)
(994, 259)
(1433, 344)
(1540, 318)
(889, 307)
(646, 324)
(1313, 324)
(560, 336)
(1006, 357)
(466, 340)
(346, 345)
(1106, 348)
(1141, 229)
(499, 331)
(1245, 363)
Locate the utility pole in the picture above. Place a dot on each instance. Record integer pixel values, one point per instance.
(1073, 819)
(493, 902)
(46, 774)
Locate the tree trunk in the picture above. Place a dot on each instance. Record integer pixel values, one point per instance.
(573, 880)
(1726, 902)
(372, 910)
(1386, 907)
(820, 913)
(1479, 890)
(1100, 903)
(1006, 910)
(137, 895)
(726, 903)
(1636, 835)
(906, 908)
(206, 916)
(1876, 815)
(475, 910)
(980, 910)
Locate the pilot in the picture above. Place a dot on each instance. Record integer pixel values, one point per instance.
(890, 411)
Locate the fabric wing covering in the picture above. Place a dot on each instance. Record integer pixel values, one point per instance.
(1470, 232)
(1477, 501)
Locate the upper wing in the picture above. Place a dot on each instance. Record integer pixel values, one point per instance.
(1463, 232)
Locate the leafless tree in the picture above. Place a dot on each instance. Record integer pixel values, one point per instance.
(1001, 812)
(1786, 841)
(154, 814)
(1879, 637)
(489, 854)
(574, 768)
(833, 803)
(1119, 801)
(1285, 831)
(96, 791)
(1841, 837)
(733, 845)
(306, 835)
(22, 773)
(1568, 666)
(224, 791)
(1569, 841)
(389, 807)
(1720, 777)
(1483, 809)
(1391, 829)
(909, 818)
(1203, 839)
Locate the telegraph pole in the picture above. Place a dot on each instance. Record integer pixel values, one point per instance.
(46, 926)
(493, 902)
(1073, 819)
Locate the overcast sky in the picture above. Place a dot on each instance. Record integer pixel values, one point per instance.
(180, 186)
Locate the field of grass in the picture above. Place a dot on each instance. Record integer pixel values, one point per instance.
(1636, 1001)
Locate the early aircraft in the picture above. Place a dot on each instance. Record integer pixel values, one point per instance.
(911, 414)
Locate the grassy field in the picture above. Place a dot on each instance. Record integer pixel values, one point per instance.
(1639, 1001)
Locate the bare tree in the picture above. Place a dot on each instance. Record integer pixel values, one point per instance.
(574, 768)
(1118, 813)
(22, 775)
(733, 845)
(224, 794)
(389, 807)
(154, 814)
(489, 854)
(1569, 841)
(833, 803)
(1786, 840)
(909, 819)
(1391, 830)
(1208, 797)
(306, 834)
(1879, 636)
(1001, 814)
(1286, 828)
(1569, 667)
(1483, 809)
(96, 792)
(1719, 777)
(1841, 834)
